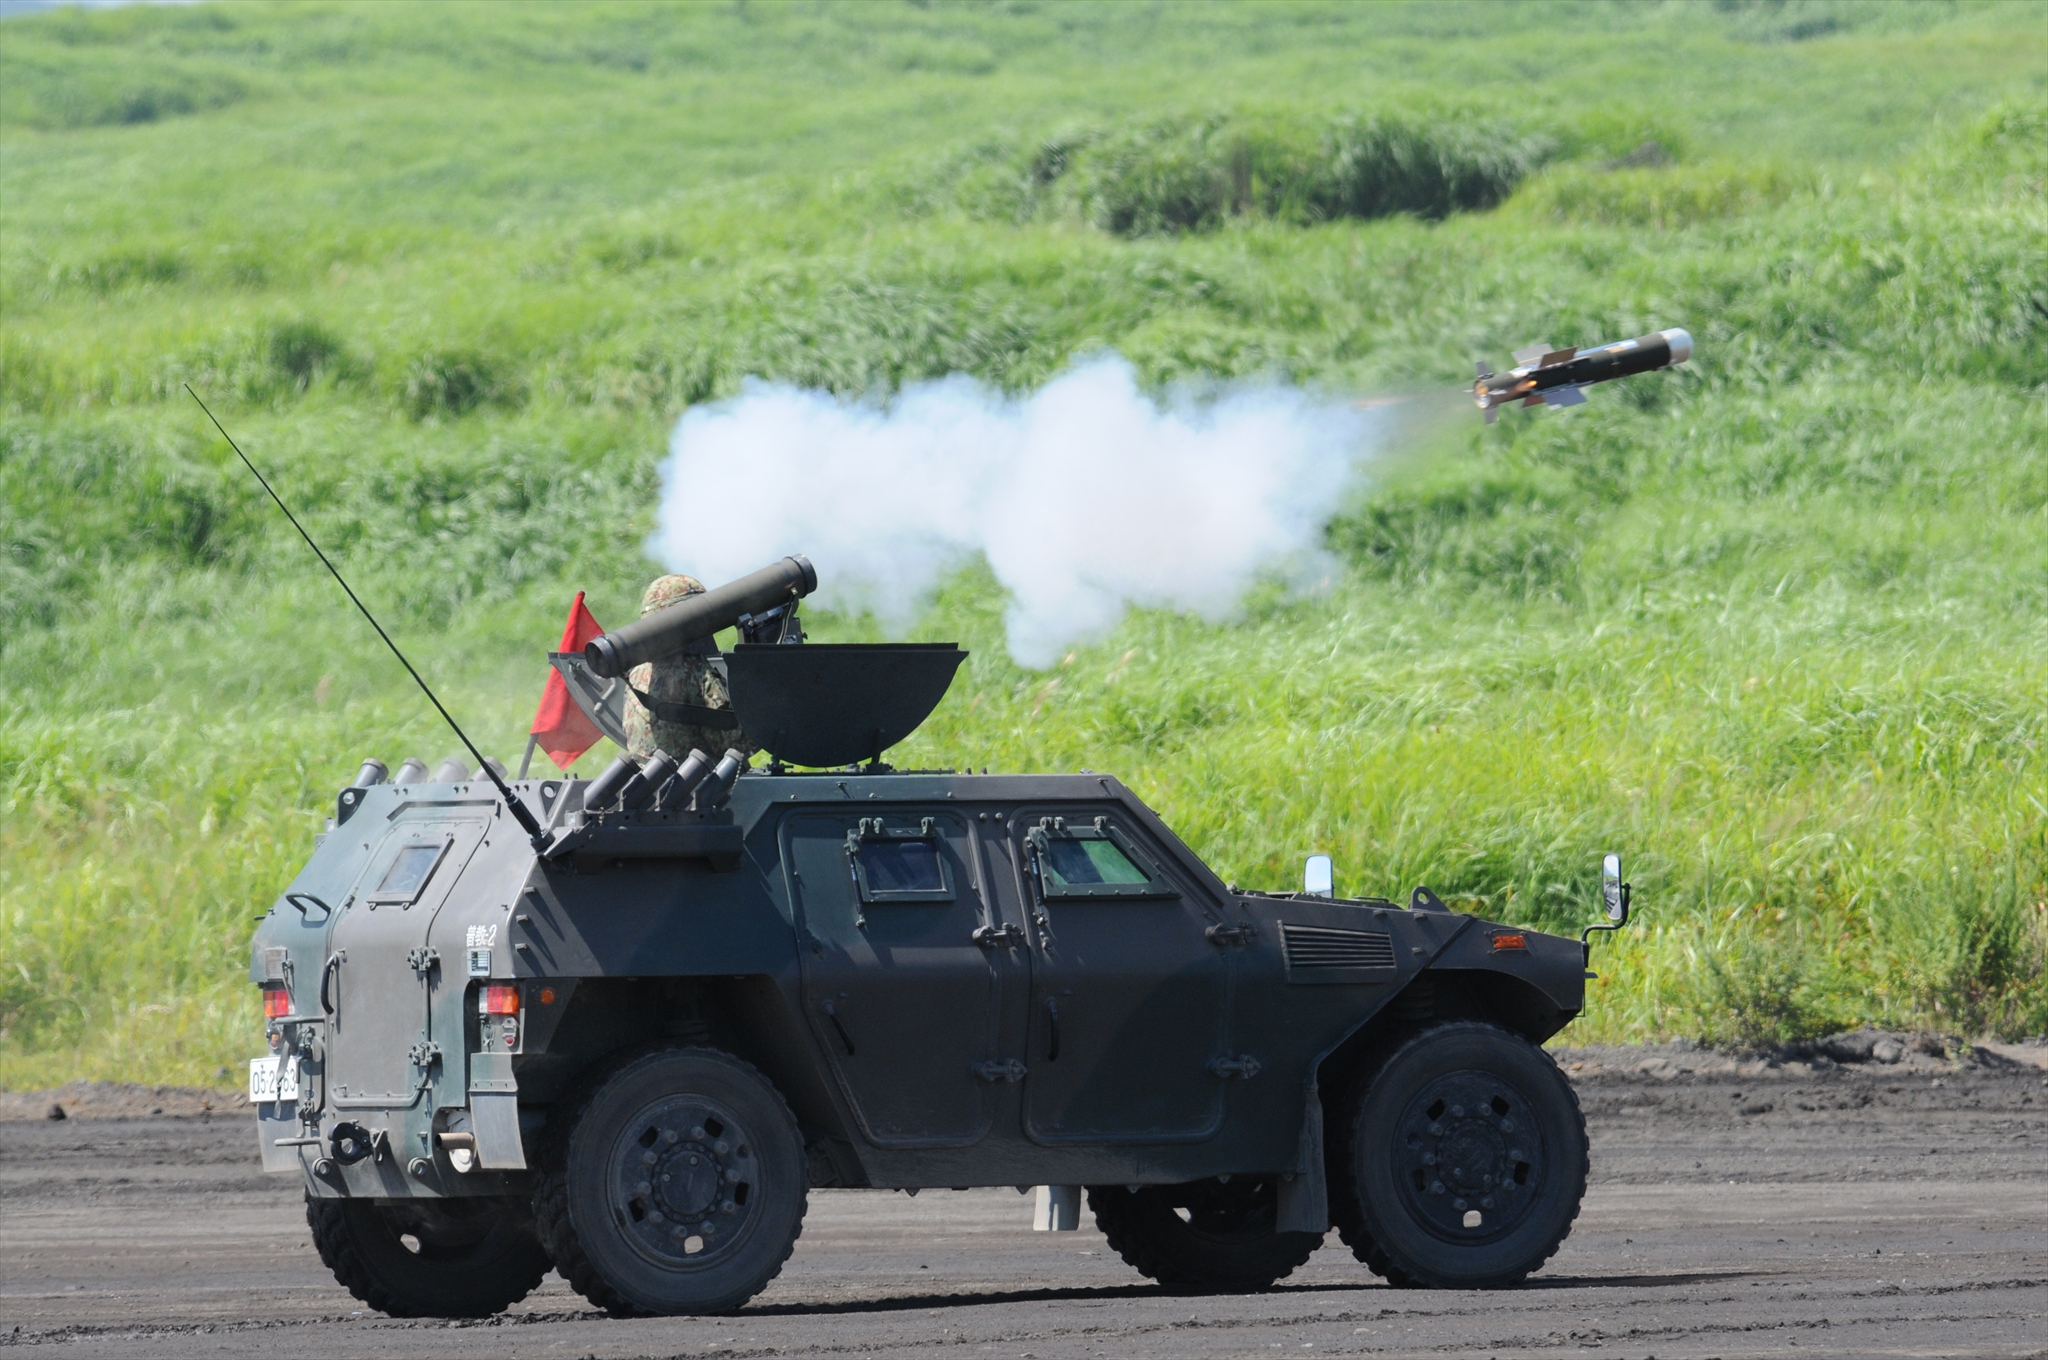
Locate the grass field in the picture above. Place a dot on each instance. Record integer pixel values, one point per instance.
(1776, 625)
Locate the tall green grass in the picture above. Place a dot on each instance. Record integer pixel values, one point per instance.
(1771, 624)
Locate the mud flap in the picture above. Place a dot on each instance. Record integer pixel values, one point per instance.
(494, 1112)
(1303, 1202)
(495, 1121)
(277, 1119)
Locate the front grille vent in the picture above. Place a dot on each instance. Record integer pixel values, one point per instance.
(1315, 947)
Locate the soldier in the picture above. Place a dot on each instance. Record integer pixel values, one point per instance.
(680, 702)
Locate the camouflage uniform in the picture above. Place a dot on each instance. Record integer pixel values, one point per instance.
(685, 677)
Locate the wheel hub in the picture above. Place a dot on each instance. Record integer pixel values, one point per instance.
(683, 1180)
(1467, 1161)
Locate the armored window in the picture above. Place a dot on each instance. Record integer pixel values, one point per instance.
(899, 865)
(1099, 861)
(407, 876)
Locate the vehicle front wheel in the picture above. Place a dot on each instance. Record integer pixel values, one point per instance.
(680, 1187)
(1468, 1160)
(452, 1258)
(1215, 1235)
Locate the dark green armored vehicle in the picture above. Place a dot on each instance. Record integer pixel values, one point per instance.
(623, 1028)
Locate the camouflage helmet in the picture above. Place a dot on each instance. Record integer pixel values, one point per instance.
(664, 591)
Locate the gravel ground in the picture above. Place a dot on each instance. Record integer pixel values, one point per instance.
(1737, 1209)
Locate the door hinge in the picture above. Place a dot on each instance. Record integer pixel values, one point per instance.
(998, 936)
(422, 958)
(999, 1071)
(1221, 935)
(1244, 1067)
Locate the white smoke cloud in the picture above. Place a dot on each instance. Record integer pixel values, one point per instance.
(1086, 497)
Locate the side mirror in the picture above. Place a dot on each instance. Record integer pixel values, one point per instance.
(1613, 896)
(1316, 880)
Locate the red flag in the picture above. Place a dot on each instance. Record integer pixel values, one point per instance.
(559, 727)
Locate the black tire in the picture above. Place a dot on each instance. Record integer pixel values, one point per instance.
(664, 1145)
(452, 1258)
(1212, 1235)
(1467, 1160)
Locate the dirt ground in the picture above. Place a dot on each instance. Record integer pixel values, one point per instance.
(1807, 1208)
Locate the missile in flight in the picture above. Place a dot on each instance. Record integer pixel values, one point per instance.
(1543, 376)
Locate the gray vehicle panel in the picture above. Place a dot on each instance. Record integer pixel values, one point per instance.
(1153, 990)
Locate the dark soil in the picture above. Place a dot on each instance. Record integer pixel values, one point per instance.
(1739, 1207)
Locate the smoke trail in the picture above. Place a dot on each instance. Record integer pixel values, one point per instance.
(1085, 497)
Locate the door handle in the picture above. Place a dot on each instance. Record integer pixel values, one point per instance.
(1012, 1070)
(1052, 1047)
(997, 936)
(327, 974)
(832, 1015)
(1222, 936)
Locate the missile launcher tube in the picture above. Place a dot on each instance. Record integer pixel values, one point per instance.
(696, 617)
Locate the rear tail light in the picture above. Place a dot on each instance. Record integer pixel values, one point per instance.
(277, 1002)
(501, 1000)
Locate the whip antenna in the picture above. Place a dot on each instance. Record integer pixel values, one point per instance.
(517, 808)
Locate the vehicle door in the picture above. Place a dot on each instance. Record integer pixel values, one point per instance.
(898, 988)
(375, 986)
(1129, 998)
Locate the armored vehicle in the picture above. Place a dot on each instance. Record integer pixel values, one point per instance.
(621, 1028)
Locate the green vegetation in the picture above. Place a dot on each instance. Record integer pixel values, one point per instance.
(1772, 624)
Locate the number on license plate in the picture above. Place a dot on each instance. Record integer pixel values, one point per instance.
(273, 1079)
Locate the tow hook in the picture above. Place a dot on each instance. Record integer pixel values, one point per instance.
(351, 1143)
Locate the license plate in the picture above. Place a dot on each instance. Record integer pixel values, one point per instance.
(273, 1079)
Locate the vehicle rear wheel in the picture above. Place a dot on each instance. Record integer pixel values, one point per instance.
(1468, 1160)
(453, 1258)
(1213, 1235)
(679, 1188)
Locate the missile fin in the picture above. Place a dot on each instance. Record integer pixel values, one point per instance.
(1483, 370)
(1492, 414)
(1529, 354)
(1557, 356)
(1568, 395)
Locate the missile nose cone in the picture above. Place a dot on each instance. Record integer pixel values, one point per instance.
(1681, 344)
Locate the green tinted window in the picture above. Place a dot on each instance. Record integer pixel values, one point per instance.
(409, 872)
(902, 866)
(1089, 861)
